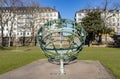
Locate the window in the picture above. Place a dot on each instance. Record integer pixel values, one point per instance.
(117, 19)
(79, 14)
(113, 24)
(6, 10)
(6, 28)
(51, 14)
(113, 19)
(28, 33)
(21, 33)
(118, 29)
(47, 14)
(39, 15)
(14, 28)
(54, 14)
(118, 24)
(6, 35)
(47, 10)
(80, 19)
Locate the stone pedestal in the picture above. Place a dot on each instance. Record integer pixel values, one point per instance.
(42, 69)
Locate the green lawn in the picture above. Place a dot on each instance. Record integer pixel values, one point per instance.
(11, 59)
(109, 57)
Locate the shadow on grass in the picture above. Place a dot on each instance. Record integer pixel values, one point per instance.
(6, 48)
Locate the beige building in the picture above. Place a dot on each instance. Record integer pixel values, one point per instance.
(111, 17)
(23, 21)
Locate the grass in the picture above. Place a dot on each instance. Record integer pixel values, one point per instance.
(109, 57)
(10, 59)
(6, 48)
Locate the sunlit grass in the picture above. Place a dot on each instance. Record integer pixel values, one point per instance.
(12, 58)
(109, 57)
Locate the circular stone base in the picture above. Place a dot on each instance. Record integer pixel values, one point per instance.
(42, 69)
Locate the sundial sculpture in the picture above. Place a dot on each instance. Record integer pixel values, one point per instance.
(61, 40)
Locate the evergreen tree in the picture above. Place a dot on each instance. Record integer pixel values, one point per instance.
(94, 25)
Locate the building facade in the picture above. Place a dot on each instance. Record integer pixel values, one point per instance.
(24, 21)
(111, 18)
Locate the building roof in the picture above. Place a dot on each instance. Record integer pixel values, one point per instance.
(29, 9)
(88, 10)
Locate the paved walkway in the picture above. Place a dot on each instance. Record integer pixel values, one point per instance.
(42, 69)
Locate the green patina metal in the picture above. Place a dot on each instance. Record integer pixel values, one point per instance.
(61, 38)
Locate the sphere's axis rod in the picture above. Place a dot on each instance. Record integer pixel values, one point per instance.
(61, 66)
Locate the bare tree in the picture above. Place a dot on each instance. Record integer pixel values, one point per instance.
(13, 5)
(9, 18)
(34, 3)
(33, 8)
(24, 19)
(2, 21)
(1, 5)
(108, 15)
(105, 15)
(31, 19)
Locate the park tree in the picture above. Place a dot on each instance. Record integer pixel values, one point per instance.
(94, 25)
(102, 26)
(9, 19)
(1, 25)
(36, 20)
(107, 5)
(32, 19)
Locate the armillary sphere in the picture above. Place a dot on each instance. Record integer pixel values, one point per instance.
(61, 40)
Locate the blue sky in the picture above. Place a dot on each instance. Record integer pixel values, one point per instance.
(67, 8)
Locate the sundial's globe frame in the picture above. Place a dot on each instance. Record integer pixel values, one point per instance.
(61, 40)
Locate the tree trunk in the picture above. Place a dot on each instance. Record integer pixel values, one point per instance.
(106, 38)
(35, 41)
(100, 39)
(24, 38)
(9, 40)
(2, 37)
